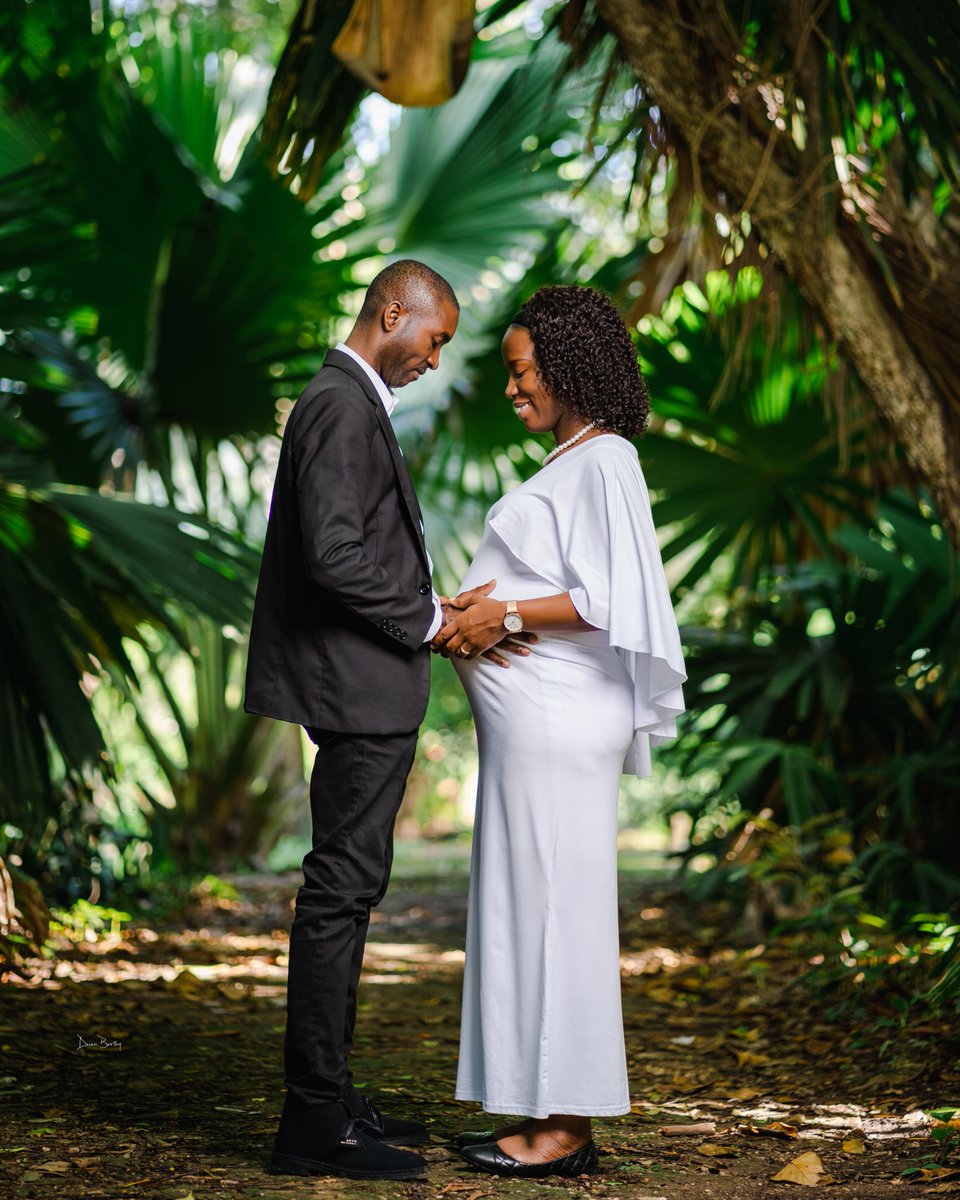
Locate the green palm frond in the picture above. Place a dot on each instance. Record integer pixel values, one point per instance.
(839, 688)
(748, 467)
(465, 188)
(80, 573)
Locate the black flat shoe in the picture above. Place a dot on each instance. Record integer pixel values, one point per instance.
(489, 1157)
(396, 1131)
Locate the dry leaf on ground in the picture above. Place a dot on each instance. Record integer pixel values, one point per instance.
(772, 1129)
(807, 1171)
(935, 1174)
(697, 1128)
(854, 1146)
(712, 1150)
(749, 1058)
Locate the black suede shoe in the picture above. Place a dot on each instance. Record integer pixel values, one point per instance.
(491, 1158)
(394, 1130)
(325, 1139)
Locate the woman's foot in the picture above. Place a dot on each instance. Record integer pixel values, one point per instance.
(545, 1139)
(556, 1145)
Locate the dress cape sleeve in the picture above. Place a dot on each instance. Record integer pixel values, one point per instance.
(598, 522)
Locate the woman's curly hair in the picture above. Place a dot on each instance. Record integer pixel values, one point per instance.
(585, 357)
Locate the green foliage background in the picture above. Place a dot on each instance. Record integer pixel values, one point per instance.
(163, 299)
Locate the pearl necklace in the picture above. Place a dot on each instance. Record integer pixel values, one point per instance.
(568, 443)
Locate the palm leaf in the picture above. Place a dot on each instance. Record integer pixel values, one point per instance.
(80, 572)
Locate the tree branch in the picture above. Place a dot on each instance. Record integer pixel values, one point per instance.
(811, 249)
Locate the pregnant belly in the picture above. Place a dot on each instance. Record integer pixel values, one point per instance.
(559, 699)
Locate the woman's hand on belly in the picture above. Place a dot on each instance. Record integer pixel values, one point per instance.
(473, 626)
(476, 620)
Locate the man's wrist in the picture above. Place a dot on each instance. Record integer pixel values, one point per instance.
(437, 623)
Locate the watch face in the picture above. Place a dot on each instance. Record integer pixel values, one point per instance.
(513, 622)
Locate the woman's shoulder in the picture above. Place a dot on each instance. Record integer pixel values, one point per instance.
(608, 454)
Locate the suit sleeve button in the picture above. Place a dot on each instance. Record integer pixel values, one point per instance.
(424, 589)
(403, 635)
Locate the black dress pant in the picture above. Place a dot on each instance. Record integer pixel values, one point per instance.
(356, 788)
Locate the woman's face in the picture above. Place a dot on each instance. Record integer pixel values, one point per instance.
(535, 407)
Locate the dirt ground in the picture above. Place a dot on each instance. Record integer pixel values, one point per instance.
(149, 1064)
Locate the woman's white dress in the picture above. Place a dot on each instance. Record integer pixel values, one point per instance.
(541, 1026)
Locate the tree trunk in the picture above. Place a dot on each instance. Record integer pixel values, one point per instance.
(788, 212)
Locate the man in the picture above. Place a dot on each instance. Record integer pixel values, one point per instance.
(344, 614)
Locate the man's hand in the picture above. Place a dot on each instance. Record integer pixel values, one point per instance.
(451, 609)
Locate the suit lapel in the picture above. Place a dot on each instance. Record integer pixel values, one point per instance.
(343, 362)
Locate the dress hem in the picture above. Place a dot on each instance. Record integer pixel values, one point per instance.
(510, 1108)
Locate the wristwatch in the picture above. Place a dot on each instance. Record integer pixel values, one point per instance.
(512, 621)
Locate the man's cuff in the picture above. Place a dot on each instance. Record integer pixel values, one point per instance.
(437, 619)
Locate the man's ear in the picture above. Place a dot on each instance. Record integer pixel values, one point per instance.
(392, 315)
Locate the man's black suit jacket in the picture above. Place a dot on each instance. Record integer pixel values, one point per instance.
(344, 598)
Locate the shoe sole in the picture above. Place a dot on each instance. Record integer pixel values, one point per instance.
(286, 1164)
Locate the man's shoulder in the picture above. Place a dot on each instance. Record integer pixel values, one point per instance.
(341, 369)
(338, 374)
(334, 389)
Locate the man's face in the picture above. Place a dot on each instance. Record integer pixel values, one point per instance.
(414, 344)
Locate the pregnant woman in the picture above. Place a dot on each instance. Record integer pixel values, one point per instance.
(571, 556)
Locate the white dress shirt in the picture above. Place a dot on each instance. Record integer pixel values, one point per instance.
(389, 402)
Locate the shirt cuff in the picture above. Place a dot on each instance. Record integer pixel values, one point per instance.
(437, 619)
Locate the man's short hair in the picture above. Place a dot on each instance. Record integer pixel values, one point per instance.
(415, 285)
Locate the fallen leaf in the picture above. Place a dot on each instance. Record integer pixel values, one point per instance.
(712, 1150)
(772, 1129)
(854, 1146)
(945, 1187)
(807, 1171)
(940, 1174)
(690, 1083)
(747, 1035)
(749, 1058)
(54, 1168)
(697, 1128)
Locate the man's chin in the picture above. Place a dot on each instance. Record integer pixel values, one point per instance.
(405, 378)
